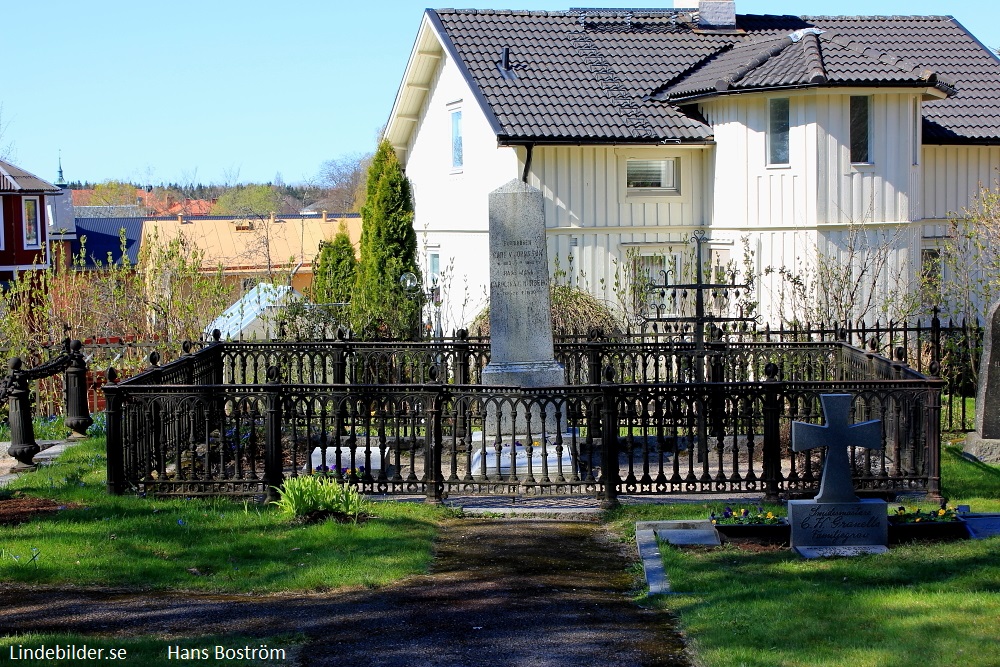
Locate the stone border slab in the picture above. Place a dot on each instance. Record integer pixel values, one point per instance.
(652, 562)
(854, 550)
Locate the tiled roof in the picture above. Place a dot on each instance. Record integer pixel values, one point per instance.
(806, 57)
(579, 79)
(15, 179)
(578, 76)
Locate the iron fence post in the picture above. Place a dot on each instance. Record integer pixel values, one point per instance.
(78, 418)
(594, 346)
(273, 476)
(610, 475)
(935, 367)
(115, 446)
(22, 431)
(772, 434)
(462, 363)
(933, 444)
(434, 476)
(339, 357)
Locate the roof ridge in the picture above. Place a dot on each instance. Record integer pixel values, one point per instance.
(868, 17)
(814, 58)
(759, 59)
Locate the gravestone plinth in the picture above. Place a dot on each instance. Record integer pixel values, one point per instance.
(836, 522)
(861, 524)
(521, 350)
(984, 442)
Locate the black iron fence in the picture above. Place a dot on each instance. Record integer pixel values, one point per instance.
(240, 418)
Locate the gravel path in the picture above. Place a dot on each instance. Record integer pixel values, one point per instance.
(517, 592)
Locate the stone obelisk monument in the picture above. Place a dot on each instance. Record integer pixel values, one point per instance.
(521, 352)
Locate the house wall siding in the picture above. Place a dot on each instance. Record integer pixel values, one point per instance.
(14, 256)
(452, 206)
(591, 223)
(750, 193)
(953, 175)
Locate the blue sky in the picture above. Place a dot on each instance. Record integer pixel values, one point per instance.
(224, 91)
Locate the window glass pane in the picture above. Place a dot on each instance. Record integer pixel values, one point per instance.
(434, 264)
(660, 174)
(31, 231)
(859, 129)
(777, 137)
(456, 139)
(930, 276)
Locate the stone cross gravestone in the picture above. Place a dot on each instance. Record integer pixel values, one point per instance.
(836, 521)
(984, 442)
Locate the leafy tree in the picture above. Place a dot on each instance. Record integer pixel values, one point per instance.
(968, 272)
(249, 201)
(113, 193)
(336, 268)
(379, 307)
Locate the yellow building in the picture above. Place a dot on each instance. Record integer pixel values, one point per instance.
(276, 249)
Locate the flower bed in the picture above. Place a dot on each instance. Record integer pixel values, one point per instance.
(905, 525)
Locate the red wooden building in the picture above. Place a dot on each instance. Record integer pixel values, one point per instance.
(24, 212)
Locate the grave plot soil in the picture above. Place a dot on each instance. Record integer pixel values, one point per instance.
(501, 592)
(21, 509)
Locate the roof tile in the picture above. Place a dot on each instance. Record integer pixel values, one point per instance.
(588, 74)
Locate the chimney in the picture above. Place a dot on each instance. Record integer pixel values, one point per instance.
(717, 15)
(324, 216)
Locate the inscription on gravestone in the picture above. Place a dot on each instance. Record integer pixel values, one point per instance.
(836, 518)
(521, 351)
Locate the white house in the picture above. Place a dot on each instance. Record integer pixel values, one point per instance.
(783, 135)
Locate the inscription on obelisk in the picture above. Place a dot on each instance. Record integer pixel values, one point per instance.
(521, 351)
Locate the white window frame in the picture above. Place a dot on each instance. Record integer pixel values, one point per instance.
(682, 187)
(37, 223)
(772, 131)
(2, 246)
(455, 123)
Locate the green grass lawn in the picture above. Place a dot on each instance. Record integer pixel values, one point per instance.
(933, 605)
(209, 545)
(921, 604)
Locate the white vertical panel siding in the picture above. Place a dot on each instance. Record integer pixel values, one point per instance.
(952, 176)
(582, 192)
(748, 193)
(861, 193)
(452, 210)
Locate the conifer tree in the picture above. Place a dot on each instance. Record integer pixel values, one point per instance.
(336, 269)
(379, 307)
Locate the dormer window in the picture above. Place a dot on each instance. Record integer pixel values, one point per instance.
(861, 129)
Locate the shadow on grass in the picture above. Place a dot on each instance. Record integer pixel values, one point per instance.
(962, 477)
